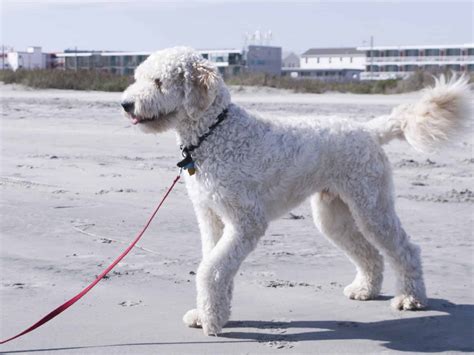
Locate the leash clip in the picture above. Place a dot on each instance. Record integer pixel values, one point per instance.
(187, 163)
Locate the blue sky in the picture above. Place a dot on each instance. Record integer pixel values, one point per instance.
(296, 26)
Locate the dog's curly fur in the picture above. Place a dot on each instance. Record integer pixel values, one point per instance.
(251, 171)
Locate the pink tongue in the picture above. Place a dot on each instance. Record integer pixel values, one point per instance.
(135, 120)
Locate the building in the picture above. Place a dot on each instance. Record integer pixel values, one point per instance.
(228, 61)
(4, 64)
(263, 59)
(123, 63)
(32, 58)
(393, 62)
(291, 60)
(329, 64)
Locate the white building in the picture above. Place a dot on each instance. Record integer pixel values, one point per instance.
(333, 58)
(228, 61)
(329, 64)
(33, 58)
(393, 62)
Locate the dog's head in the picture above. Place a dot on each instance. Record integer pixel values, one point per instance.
(171, 85)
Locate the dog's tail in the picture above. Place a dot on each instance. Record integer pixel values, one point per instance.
(438, 116)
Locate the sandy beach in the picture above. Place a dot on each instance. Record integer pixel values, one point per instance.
(78, 182)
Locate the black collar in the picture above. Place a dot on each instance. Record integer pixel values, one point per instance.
(188, 162)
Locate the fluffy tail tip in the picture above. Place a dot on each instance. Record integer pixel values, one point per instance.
(439, 115)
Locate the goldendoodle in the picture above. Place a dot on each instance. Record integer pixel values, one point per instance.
(246, 171)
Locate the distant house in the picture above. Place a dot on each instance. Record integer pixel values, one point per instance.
(291, 60)
(329, 64)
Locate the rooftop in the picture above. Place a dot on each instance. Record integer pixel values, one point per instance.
(331, 51)
(80, 53)
(430, 46)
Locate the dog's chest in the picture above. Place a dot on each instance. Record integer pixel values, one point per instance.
(203, 190)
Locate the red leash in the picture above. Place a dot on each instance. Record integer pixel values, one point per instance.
(77, 297)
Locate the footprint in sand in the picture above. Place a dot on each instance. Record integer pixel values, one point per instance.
(129, 303)
(278, 336)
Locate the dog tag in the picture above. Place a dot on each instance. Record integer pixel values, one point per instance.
(188, 164)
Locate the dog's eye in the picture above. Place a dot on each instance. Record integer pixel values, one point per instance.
(158, 83)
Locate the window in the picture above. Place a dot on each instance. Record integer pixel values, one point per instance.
(83, 62)
(235, 58)
(453, 51)
(432, 52)
(350, 59)
(455, 67)
(432, 67)
(373, 54)
(317, 60)
(329, 59)
(340, 59)
(70, 62)
(114, 60)
(412, 52)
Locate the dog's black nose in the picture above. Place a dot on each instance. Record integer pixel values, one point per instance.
(128, 106)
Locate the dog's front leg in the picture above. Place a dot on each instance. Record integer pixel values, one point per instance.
(217, 270)
(211, 228)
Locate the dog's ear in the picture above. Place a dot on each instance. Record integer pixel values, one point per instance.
(201, 81)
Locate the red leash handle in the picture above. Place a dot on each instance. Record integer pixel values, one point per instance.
(77, 297)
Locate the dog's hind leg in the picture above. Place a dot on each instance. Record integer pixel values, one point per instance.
(333, 218)
(371, 202)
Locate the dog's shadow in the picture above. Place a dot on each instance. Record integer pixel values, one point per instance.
(452, 331)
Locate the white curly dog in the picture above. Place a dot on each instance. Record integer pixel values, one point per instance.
(250, 171)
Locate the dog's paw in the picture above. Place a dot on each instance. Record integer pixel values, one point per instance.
(211, 329)
(408, 303)
(191, 319)
(360, 292)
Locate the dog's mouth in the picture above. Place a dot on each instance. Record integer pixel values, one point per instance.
(138, 119)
